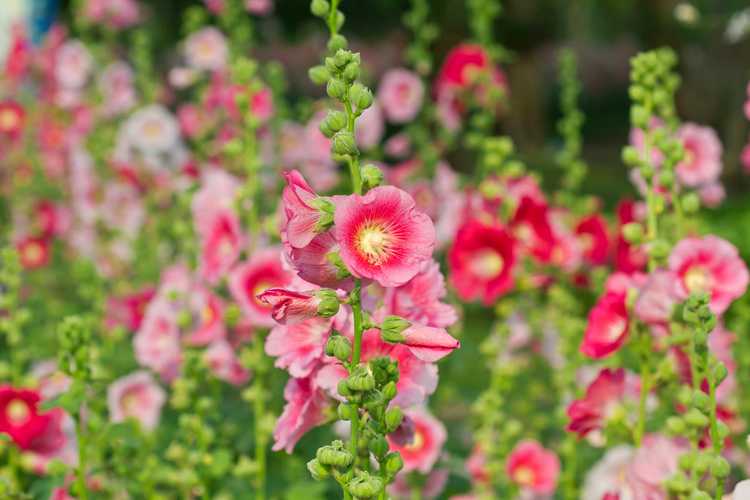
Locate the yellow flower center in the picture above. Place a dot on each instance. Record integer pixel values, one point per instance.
(18, 412)
(130, 403)
(208, 315)
(487, 264)
(697, 280)
(8, 119)
(152, 129)
(417, 442)
(33, 252)
(374, 242)
(524, 476)
(615, 330)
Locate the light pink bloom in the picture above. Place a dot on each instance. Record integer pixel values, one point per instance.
(425, 447)
(290, 307)
(50, 380)
(702, 164)
(305, 408)
(712, 194)
(312, 264)
(116, 86)
(400, 94)
(370, 127)
(653, 463)
(382, 236)
(259, 7)
(152, 130)
(207, 49)
(115, 13)
(657, 298)
(249, 279)
(181, 78)
(607, 479)
(420, 299)
(533, 468)
(222, 361)
(136, 396)
(712, 265)
(215, 6)
(428, 343)
(302, 215)
(157, 342)
(73, 65)
(398, 146)
(741, 490)
(208, 311)
(299, 347)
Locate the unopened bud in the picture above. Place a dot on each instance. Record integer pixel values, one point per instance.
(319, 75)
(392, 328)
(344, 144)
(329, 303)
(393, 418)
(317, 470)
(372, 176)
(320, 8)
(360, 96)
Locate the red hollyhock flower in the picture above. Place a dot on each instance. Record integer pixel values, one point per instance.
(532, 227)
(607, 327)
(589, 413)
(33, 252)
(533, 468)
(461, 66)
(12, 117)
(481, 261)
(128, 310)
(628, 258)
(592, 233)
(383, 236)
(20, 418)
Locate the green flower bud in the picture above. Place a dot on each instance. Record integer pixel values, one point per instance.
(659, 249)
(720, 372)
(365, 486)
(702, 463)
(639, 116)
(391, 330)
(393, 418)
(676, 426)
(233, 147)
(361, 380)
(393, 464)
(678, 484)
(666, 178)
(329, 303)
(317, 470)
(326, 129)
(339, 347)
(701, 401)
(378, 446)
(351, 72)
(319, 75)
(343, 389)
(344, 144)
(360, 96)
(633, 232)
(337, 42)
(699, 495)
(372, 176)
(691, 203)
(336, 89)
(687, 460)
(335, 455)
(346, 411)
(720, 468)
(335, 259)
(696, 418)
(320, 8)
(630, 156)
(341, 58)
(335, 120)
(389, 391)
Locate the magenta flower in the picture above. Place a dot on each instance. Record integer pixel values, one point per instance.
(302, 214)
(313, 265)
(702, 164)
(305, 408)
(400, 94)
(427, 443)
(607, 326)
(250, 279)
(533, 468)
(382, 236)
(136, 396)
(602, 395)
(711, 265)
(420, 299)
(208, 314)
(290, 307)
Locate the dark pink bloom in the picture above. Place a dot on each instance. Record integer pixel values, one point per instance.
(602, 395)
(250, 279)
(428, 343)
(128, 310)
(382, 235)
(136, 396)
(420, 299)
(299, 347)
(21, 419)
(481, 261)
(290, 307)
(223, 362)
(427, 443)
(463, 65)
(532, 227)
(533, 468)
(34, 252)
(476, 466)
(208, 313)
(305, 408)
(594, 239)
(628, 258)
(400, 94)
(712, 265)
(302, 214)
(702, 164)
(12, 117)
(607, 326)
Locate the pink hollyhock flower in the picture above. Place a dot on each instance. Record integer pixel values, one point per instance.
(428, 343)
(116, 84)
(34, 253)
(52, 219)
(128, 310)
(463, 65)
(222, 361)
(21, 420)
(157, 342)
(652, 464)
(305, 408)
(628, 258)
(118, 14)
(370, 127)
(382, 236)
(476, 466)
(299, 347)
(720, 342)
(433, 486)
(206, 49)
(152, 130)
(533, 468)
(253, 277)
(425, 447)
(302, 211)
(181, 78)
(60, 493)
(481, 261)
(594, 239)
(12, 117)
(420, 299)
(712, 265)
(607, 326)
(607, 479)
(208, 311)
(259, 7)
(638, 141)
(602, 395)
(18, 56)
(261, 104)
(215, 6)
(398, 146)
(312, 264)
(400, 94)
(50, 381)
(702, 164)
(533, 229)
(290, 307)
(712, 194)
(136, 396)
(73, 65)
(657, 298)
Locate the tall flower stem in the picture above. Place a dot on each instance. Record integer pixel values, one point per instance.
(715, 437)
(82, 440)
(356, 355)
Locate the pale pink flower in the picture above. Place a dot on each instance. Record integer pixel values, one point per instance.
(702, 163)
(51, 381)
(249, 279)
(741, 490)
(712, 265)
(398, 146)
(382, 235)
(400, 94)
(652, 464)
(533, 468)
(420, 299)
(223, 362)
(426, 445)
(73, 65)
(152, 130)
(215, 6)
(657, 298)
(299, 347)
(305, 408)
(117, 87)
(208, 313)
(370, 127)
(206, 49)
(712, 194)
(115, 13)
(181, 78)
(609, 476)
(157, 342)
(136, 396)
(259, 7)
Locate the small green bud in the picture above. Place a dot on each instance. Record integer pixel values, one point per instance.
(329, 303)
(360, 96)
(691, 203)
(630, 156)
(361, 380)
(699, 495)
(676, 426)
(317, 470)
(391, 330)
(389, 390)
(346, 411)
(720, 372)
(633, 232)
(339, 347)
(687, 460)
(337, 42)
(335, 455)
(320, 8)
(393, 418)
(351, 72)
(720, 468)
(319, 75)
(232, 315)
(701, 401)
(378, 446)
(639, 116)
(696, 418)
(659, 249)
(702, 463)
(233, 147)
(344, 144)
(343, 389)
(341, 58)
(364, 485)
(335, 120)
(393, 464)
(372, 176)
(336, 89)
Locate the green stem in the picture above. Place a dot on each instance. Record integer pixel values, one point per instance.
(645, 387)
(355, 297)
(81, 489)
(416, 492)
(715, 438)
(259, 411)
(354, 169)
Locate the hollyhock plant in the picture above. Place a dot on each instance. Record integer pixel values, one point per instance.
(607, 328)
(533, 468)
(303, 208)
(482, 261)
(34, 252)
(222, 361)
(206, 49)
(382, 236)
(702, 164)
(712, 265)
(157, 342)
(400, 95)
(290, 307)
(461, 67)
(423, 450)
(20, 418)
(136, 396)
(304, 409)
(299, 347)
(117, 14)
(73, 65)
(602, 397)
(593, 234)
